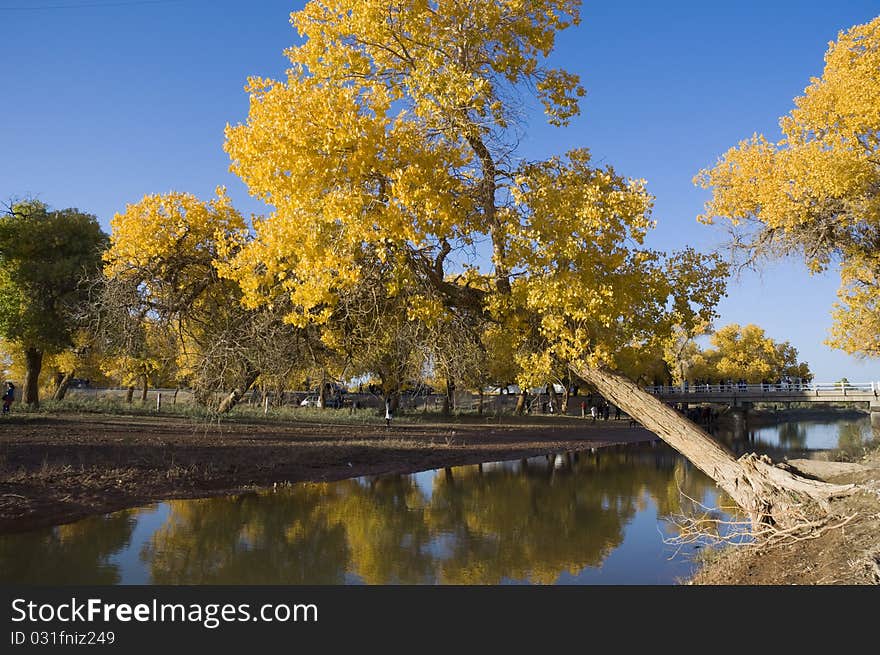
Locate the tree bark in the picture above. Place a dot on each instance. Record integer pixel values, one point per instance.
(480, 402)
(563, 407)
(129, 394)
(33, 362)
(236, 394)
(144, 387)
(521, 403)
(322, 394)
(63, 386)
(770, 494)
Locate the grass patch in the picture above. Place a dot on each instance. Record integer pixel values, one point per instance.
(81, 404)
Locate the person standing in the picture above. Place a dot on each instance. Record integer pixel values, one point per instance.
(8, 396)
(594, 412)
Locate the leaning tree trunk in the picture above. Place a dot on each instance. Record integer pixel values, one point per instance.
(238, 393)
(770, 494)
(33, 362)
(63, 386)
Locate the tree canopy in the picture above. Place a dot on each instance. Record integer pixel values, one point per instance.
(393, 140)
(815, 191)
(746, 353)
(45, 255)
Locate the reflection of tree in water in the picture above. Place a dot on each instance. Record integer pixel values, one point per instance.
(75, 553)
(387, 533)
(793, 435)
(480, 525)
(538, 521)
(249, 539)
(853, 437)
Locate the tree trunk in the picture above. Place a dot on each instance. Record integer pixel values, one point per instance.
(322, 394)
(144, 387)
(563, 407)
(449, 400)
(34, 362)
(129, 394)
(63, 385)
(232, 399)
(770, 494)
(480, 402)
(521, 403)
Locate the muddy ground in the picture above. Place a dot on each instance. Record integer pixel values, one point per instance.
(56, 469)
(59, 468)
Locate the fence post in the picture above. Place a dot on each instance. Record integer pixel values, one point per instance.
(265, 404)
(158, 400)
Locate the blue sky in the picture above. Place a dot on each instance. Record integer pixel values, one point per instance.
(108, 100)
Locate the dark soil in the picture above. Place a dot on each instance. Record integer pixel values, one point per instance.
(56, 469)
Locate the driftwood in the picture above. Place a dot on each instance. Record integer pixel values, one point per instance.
(771, 495)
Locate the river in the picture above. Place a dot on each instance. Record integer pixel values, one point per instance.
(607, 516)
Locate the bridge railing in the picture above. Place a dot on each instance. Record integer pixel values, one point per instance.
(817, 388)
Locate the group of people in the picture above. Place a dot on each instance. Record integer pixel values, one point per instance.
(702, 414)
(600, 409)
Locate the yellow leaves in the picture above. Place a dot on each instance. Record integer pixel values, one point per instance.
(167, 228)
(856, 328)
(815, 191)
(426, 310)
(745, 353)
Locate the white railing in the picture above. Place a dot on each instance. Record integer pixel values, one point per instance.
(815, 388)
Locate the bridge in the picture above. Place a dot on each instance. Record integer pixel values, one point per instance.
(743, 395)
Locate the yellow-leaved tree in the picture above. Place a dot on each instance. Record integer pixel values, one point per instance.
(746, 353)
(392, 143)
(815, 191)
(162, 303)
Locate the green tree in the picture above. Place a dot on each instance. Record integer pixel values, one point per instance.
(45, 255)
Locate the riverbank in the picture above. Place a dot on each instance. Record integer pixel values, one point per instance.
(844, 555)
(59, 468)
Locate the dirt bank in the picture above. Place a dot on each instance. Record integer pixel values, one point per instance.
(845, 555)
(56, 469)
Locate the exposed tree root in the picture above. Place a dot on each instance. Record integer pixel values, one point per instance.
(709, 529)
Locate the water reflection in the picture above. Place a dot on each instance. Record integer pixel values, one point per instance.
(591, 517)
(76, 553)
(846, 438)
(527, 521)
